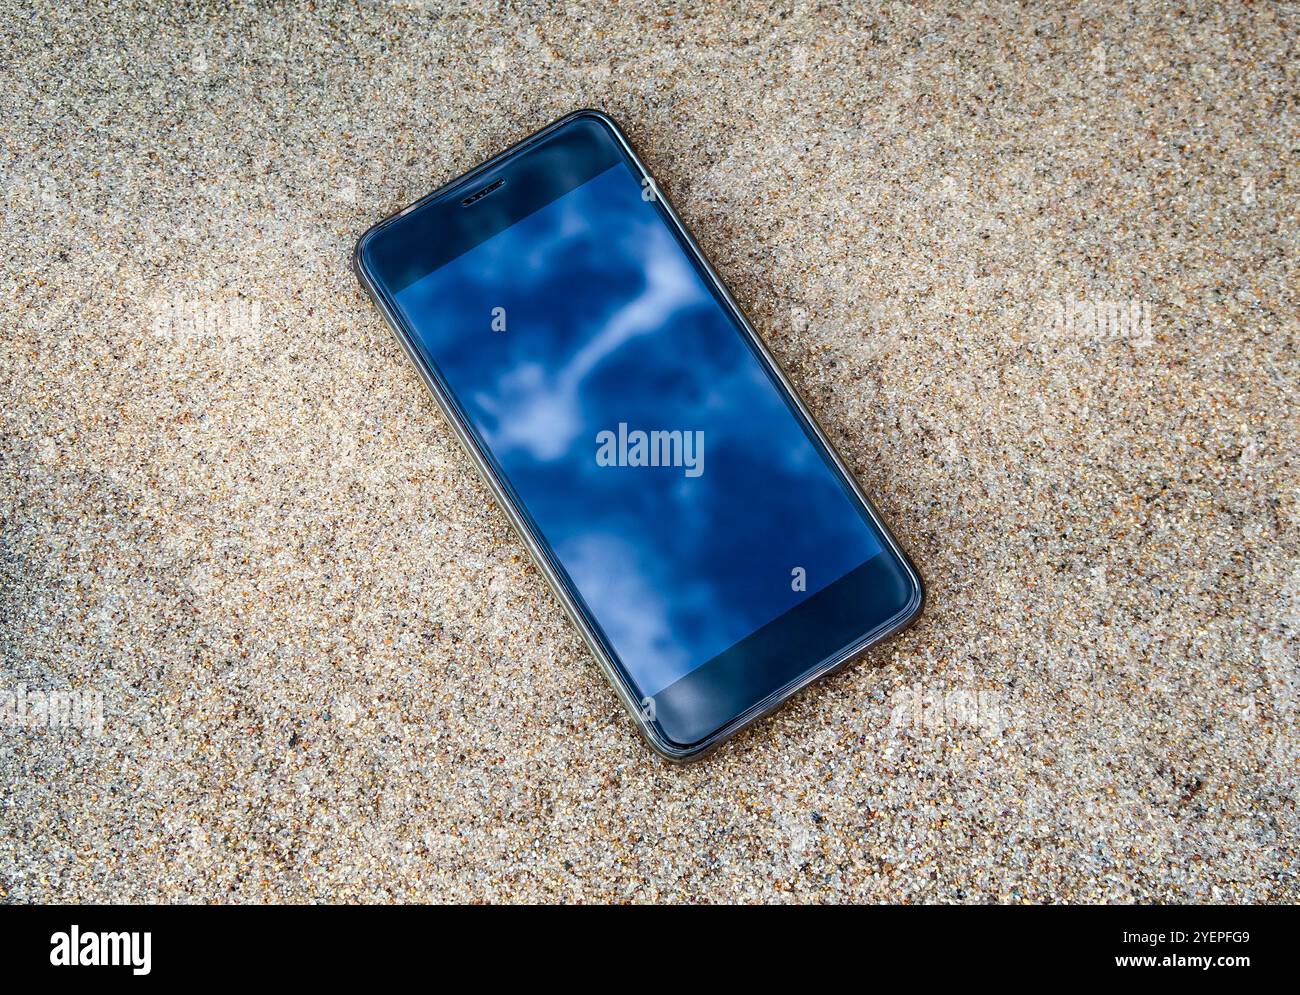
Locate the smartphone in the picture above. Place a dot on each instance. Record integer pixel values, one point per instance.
(679, 497)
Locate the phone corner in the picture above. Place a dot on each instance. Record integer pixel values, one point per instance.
(920, 595)
(914, 607)
(677, 756)
(593, 114)
(665, 749)
(359, 250)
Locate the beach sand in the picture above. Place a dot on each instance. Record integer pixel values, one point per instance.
(328, 671)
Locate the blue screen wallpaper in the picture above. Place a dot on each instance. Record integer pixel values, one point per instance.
(567, 339)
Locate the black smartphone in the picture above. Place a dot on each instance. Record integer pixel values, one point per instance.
(692, 517)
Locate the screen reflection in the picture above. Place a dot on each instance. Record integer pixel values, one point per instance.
(585, 318)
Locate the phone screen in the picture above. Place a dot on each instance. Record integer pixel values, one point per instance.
(679, 491)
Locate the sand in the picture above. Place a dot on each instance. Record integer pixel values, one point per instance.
(328, 671)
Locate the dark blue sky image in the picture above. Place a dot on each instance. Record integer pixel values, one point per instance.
(608, 321)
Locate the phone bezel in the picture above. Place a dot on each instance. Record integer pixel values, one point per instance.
(520, 521)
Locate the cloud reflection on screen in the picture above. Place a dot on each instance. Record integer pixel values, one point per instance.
(608, 322)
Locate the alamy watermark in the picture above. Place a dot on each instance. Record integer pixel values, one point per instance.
(55, 711)
(44, 192)
(656, 448)
(76, 948)
(1094, 320)
(189, 320)
(921, 711)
